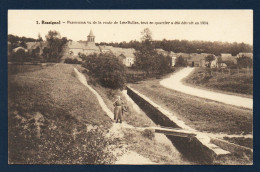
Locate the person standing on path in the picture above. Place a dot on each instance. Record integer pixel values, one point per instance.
(118, 110)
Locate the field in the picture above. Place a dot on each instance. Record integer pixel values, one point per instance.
(49, 114)
(207, 116)
(134, 75)
(227, 81)
(201, 114)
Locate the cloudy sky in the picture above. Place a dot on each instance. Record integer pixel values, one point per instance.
(223, 25)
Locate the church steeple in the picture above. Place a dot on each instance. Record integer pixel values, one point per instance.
(91, 37)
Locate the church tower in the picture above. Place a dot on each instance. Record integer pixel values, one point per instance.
(91, 37)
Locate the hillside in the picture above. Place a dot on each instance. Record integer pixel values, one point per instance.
(49, 116)
(232, 83)
(54, 119)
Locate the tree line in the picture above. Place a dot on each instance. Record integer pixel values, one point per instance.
(185, 46)
(17, 41)
(51, 51)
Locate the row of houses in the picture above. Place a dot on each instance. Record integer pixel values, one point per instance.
(126, 55)
(199, 60)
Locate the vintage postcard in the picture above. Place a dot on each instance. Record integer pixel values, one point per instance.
(146, 87)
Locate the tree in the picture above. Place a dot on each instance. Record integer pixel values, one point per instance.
(23, 44)
(220, 60)
(209, 59)
(19, 56)
(181, 62)
(107, 69)
(164, 64)
(39, 38)
(244, 62)
(146, 55)
(53, 52)
(146, 35)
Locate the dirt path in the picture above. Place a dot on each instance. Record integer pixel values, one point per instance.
(128, 157)
(175, 82)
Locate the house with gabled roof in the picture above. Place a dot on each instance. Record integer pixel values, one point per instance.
(245, 54)
(196, 60)
(85, 47)
(168, 53)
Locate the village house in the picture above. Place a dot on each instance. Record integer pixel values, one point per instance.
(128, 57)
(125, 55)
(223, 60)
(228, 58)
(89, 47)
(245, 54)
(197, 60)
(185, 56)
(33, 46)
(215, 63)
(168, 53)
(19, 48)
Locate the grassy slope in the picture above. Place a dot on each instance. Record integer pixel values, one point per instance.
(50, 101)
(201, 114)
(241, 83)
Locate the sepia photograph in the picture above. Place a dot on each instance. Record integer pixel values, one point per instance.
(130, 87)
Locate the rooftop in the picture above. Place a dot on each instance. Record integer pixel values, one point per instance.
(91, 33)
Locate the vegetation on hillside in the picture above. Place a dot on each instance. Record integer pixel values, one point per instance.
(51, 119)
(231, 80)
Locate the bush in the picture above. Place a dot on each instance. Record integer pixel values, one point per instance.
(181, 62)
(19, 56)
(109, 71)
(148, 134)
(72, 61)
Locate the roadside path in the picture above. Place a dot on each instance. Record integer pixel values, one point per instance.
(129, 157)
(175, 82)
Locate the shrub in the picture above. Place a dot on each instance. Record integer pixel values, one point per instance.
(148, 134)
(109, 71)
(72, 61)
(181, 62)
(19, 56)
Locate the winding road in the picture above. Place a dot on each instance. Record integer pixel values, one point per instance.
(175, 82)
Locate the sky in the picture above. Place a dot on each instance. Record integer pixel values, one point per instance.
(222, 25)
